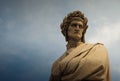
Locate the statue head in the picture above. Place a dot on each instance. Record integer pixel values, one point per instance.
(75, 15)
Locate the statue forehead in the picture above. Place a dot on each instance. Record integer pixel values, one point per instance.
(76, 22)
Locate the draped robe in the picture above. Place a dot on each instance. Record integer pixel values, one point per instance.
(86, 62)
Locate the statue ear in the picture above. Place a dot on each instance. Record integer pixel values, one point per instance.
(86, 26)
(85, 20)
(83, 34)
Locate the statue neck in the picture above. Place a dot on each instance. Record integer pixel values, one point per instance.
(73, 44)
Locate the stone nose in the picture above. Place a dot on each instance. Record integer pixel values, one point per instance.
(77, 30)
(77, 27)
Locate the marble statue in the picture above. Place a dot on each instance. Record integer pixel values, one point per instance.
(81, 61)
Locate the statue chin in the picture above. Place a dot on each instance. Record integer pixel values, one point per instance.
(78, 37)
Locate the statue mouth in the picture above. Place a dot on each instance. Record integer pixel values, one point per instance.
(76, 32)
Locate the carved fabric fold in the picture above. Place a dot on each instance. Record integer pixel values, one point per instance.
(86, 62)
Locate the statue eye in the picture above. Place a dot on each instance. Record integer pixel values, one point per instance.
(73, 25)
(80, 26)
(76, 25)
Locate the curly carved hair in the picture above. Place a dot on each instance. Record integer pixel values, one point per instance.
(75, 15)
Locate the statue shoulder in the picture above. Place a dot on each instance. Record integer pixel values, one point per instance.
(96, 45)
(101, 47)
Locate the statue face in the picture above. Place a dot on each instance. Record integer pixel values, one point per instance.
(75, 30)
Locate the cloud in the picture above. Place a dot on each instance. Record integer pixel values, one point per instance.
(1, 20)
(106, 33)
(31, 34)
(116, 69)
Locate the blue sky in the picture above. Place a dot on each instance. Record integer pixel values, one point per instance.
(30, 36)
